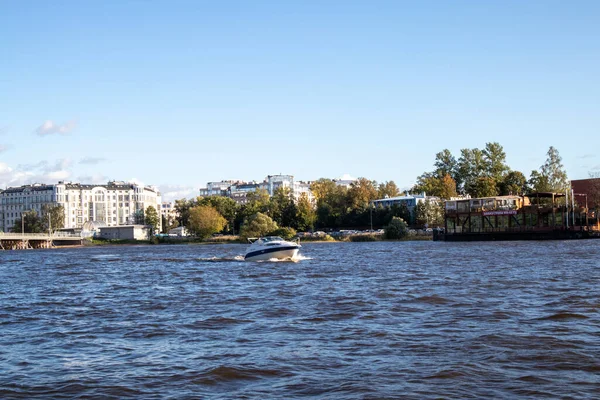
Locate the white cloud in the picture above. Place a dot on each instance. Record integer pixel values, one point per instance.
(50, 127)
(3, 148)
(136, 181)
(347, 177)
(173, 192)
(584, 156)
(96, 179)
(91, 160)
(42, 172)
(3, 130)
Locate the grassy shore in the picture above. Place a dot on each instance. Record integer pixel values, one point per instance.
(236, 240)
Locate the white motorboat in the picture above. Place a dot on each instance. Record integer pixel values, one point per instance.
(269, 247)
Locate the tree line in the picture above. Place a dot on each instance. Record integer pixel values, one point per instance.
(475, 172)
(485, 173)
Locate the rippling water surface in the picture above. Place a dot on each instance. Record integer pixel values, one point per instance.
(349, 321)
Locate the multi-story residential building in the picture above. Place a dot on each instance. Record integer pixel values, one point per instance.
(15, 201)
(167, 210)
(113, 204)
(238, 190)
(274, 182)
(300, 188)
(345, 181)
(216, 188)
(410, 200)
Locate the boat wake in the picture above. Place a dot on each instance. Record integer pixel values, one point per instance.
(222, 259)
(297, 258)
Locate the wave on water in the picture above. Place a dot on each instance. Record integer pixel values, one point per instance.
(296, 259)
(221, 259)
(563, 316)
(105, 257)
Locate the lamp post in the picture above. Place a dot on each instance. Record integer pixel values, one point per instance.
(23, 229)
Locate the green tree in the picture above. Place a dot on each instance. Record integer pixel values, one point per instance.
(538, 183)
(283, 208)
(139, 217)
(429, 213)
(322, 189)
(397, 229)
(445, 164)
(257, 201)
(205, 221)
(226, 206)
(554, 172)
(513, 183)
(443, 187)
(332, 202)
(471, 166)
(401, 211)
(494, 159)
(151, 218)
(168, 223)
(388, 189)
(164, 223)
(447, 187)
(53, 217)
(361, 193)
(307, 215)
(484, 186)
(182, 207)
(286, 233)
(31, 223)
(427, 183)
(257, 225)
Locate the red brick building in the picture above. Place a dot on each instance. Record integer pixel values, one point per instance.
(587, 189)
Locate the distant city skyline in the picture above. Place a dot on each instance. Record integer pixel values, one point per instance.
(178, 94)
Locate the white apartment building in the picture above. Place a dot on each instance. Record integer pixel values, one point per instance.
(273, 182)
(167, 210)
(216, 188)
(14, 201)
(302, 187)
(113, 204)
(238, 190)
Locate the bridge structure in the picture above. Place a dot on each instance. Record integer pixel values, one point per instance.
(16, 241)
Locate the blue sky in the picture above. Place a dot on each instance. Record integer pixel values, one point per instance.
(178, 93)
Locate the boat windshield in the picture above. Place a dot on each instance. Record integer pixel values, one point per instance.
(267, 239)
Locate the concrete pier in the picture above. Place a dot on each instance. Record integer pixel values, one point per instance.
(22, 241)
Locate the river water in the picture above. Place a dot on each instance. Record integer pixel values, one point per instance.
(407, 320)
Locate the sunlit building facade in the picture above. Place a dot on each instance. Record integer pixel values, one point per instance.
(113, 204)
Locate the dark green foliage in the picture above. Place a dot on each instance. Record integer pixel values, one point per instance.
(31, 223)
(53, 217)
(285, 233)
(257, 225)
(227, 207)
(151, 218)
(397, 229)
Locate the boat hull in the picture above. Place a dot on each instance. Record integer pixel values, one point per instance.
(280, 253)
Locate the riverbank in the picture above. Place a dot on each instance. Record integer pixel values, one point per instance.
(230, 239)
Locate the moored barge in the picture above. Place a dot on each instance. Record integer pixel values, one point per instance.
(536, 216)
